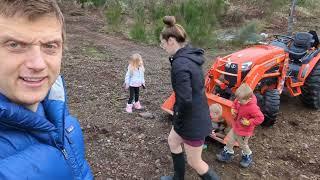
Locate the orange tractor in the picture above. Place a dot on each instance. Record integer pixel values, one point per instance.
(287, 62)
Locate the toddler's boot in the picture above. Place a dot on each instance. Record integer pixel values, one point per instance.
(129, 108)
(246, 160)
(225, 156)
(137, 105)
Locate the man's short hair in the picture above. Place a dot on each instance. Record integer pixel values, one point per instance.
(244, 92)
(32, 9)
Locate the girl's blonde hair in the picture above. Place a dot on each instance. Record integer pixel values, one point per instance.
(217, 108)
(135, 62)
(244, 92)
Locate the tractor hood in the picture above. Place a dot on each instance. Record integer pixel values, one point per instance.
(256, 54)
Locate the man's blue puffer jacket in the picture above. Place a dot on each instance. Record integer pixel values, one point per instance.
(38, 147)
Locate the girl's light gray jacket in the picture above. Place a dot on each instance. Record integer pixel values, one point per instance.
(135, 78)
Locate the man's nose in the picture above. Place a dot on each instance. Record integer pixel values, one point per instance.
(35, 59)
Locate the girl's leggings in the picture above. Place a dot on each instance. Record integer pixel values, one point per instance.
(134, 93)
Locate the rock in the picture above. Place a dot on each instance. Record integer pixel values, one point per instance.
(141, 136)
(302, 176)
(88, 126)
(157, 161)
(157, 171)
(312, 161)
(146, 115)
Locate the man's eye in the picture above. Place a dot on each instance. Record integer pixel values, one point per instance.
(13, 45)
(16, 46)
(50, 46)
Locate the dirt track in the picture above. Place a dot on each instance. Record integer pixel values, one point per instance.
(123, 146)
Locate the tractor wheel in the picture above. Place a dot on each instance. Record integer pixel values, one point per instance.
(310, 95)
(270, 107)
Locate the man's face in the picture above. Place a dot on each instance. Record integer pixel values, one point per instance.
(30, 57)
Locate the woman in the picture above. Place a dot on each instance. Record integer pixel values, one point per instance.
(191, 119)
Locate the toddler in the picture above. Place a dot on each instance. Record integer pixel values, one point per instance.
(247, 116)
(218, 122)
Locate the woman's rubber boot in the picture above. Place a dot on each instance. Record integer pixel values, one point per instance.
(178, 166)
(210, 175)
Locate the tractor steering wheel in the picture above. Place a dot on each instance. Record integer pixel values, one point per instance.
(283, 38)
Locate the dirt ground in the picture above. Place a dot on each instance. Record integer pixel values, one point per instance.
(127, 146)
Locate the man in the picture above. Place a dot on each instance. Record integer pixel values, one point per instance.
(38, 137)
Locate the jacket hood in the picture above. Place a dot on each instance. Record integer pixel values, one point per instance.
(194, 54)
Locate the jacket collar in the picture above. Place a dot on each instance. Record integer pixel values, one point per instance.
(15, 116)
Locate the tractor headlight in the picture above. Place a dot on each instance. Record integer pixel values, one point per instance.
(228, 64)
(246, 66)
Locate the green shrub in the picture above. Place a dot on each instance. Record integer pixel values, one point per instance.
(309, 4)
(247, 34)
(200, 19)
(138, 32)
(113, 15)
(96, 3)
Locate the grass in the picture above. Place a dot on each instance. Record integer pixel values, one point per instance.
(94, 52)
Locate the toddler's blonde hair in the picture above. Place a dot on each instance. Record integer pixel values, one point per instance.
(217, 108)
(244, 92)
(135, 62)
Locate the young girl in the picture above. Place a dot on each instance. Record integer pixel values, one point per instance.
(191, 118)
(247, 116)
(134, 80)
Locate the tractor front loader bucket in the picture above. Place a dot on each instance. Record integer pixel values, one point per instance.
(167, 106)
(226, 114)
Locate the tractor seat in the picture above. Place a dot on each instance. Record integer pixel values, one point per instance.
(302, 42)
